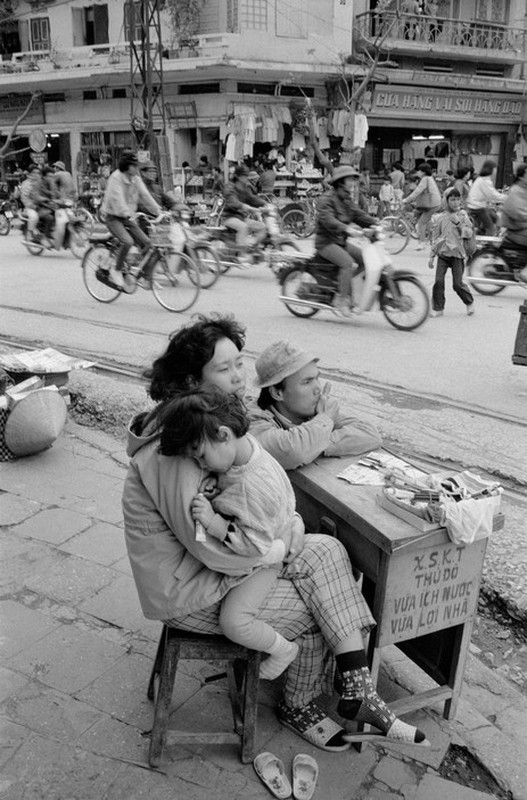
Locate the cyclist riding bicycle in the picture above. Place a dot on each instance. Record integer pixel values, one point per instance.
(337, 214)
(124, 193)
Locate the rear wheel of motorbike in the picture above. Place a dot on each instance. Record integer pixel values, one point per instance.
(34, 248)
(176, 282)
(484, 265)
(5, 225)
(396, 234)
(408, 306)
(98, 257)
(208, 264)
(298, 222)
(292, 283)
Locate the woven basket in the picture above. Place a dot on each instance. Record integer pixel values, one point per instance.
(159, 235)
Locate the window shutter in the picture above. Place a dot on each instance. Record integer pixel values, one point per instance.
(100, 18)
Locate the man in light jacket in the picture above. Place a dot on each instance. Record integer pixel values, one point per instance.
(124, 194)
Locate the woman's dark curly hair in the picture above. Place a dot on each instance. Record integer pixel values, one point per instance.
(180, 367)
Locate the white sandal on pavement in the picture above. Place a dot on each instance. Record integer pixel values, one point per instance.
(305, 775)
(271, 772)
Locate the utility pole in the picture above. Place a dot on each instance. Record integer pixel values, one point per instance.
(146, 83)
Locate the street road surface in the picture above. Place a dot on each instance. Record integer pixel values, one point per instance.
(456, 357)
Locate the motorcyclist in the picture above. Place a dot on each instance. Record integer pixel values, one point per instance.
(65, 195)
(240, 199)
(29, 195)
(64, 183)
(124, 192)
(481, 193)
(514, 216)
(337, 216)
(39, 196)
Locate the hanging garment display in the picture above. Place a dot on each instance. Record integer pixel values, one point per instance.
(360, 130)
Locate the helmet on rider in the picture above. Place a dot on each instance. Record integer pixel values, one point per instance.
(341, 173)
(241, 171)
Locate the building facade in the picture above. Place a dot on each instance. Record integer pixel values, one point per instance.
(237, 75)
(454, 93)
(235, 86)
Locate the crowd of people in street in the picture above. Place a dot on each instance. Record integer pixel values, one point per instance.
(447, 219)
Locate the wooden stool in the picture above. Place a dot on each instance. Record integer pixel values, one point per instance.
(243, 666)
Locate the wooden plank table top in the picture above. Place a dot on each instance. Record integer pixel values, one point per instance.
(356, 504)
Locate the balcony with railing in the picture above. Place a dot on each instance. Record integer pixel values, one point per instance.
(104, 56)
(419, 35)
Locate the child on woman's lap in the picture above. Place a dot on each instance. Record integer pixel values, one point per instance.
(251, 511)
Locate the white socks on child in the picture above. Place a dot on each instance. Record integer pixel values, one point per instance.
(281, 654)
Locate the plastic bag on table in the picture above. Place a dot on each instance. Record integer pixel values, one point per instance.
(469, 520)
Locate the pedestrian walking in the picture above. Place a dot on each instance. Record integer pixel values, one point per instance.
(427, 200)
(452, 229)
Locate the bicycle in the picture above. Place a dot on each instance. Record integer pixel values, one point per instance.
(177, 237)
(299, 218)
(175, 280)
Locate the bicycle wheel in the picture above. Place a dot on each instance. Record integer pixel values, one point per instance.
(5, 225)
(297, 222)
(396, 234)
(98, 259)
(208, 264)
(176, 282)
(486, 265)
(407, 307)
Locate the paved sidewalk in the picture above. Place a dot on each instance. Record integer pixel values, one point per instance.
(76, 656)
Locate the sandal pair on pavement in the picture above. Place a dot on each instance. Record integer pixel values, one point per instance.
(313, 724)
(271, 772)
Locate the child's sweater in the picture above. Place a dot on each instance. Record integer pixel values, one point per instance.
(449, 229)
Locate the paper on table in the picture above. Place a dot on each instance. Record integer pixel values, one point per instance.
(383, 462)
(364, 475)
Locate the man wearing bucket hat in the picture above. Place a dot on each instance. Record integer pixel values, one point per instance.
(294, 417)
(64, 182)
(337, 218)
(148, 172)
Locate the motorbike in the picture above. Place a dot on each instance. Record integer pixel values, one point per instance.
(6, 216)
(493, 267)
(310, 285)
(69, 232)
(276, 250)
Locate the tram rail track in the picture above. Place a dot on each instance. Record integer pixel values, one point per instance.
(123, 371)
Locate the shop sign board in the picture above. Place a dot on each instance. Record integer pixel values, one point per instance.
(406, 102)
(13, 105)
(430, 589)
(39, 158)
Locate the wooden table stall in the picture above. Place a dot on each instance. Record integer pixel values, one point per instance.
(422, 589)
